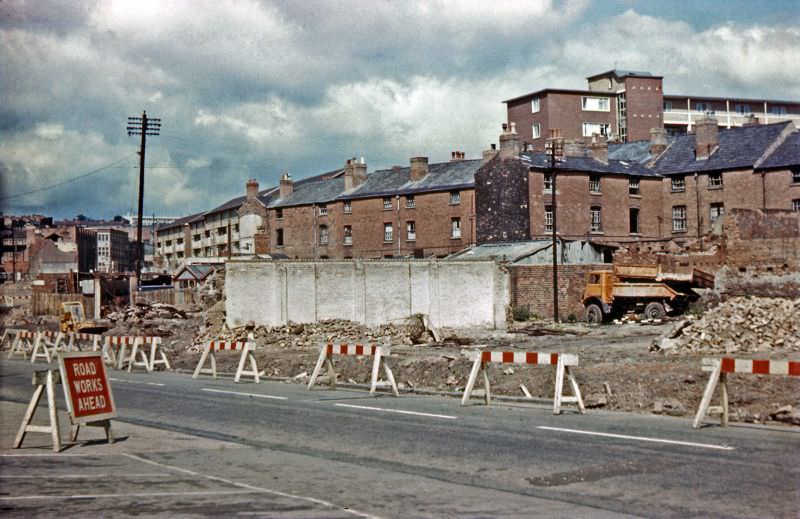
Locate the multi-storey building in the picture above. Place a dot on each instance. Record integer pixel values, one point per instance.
(113, 250)
(667, 192)
(624, 106)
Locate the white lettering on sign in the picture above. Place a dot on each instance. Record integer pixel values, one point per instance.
(91, 403)
(92, 385)
(84, 368)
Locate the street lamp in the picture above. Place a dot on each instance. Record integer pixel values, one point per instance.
(554, 147)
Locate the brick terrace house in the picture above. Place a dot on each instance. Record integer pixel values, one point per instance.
(624, 105)
(661, 195)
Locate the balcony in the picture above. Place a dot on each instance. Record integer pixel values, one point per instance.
(726, 119)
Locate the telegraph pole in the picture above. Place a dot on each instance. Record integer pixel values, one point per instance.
(143, 126)
(555, 148)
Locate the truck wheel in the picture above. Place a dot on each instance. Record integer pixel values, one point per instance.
(654, 310)
(593, 314)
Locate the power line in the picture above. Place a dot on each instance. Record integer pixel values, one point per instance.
(70, 180)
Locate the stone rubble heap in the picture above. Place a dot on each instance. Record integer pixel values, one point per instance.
(738, 325)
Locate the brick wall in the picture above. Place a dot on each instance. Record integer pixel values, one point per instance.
(645, 107)
(502, 201)
(532, 286)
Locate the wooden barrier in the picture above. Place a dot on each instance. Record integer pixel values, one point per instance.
(46, 346)
(44, 381)
(720, 368)
(24, 343)
(248, 352)
(562, 361)
(379, 354)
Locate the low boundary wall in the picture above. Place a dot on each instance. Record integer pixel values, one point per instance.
(450, 293)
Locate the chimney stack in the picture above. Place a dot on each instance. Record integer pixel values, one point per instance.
(419, 168)
(252, 189)
(287, 185)
(658, 141)
(489, 154)
(355, 173)
(706, 135)
(598, 149)
(574, 148)
(510, 144)
(456, 156)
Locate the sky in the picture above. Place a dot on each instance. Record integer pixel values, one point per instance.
(251, 89)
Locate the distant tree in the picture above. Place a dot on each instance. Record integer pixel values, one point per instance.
(81, 218)
(118, 218)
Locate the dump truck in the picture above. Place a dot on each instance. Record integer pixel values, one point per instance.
(73, 319)
(645, 289)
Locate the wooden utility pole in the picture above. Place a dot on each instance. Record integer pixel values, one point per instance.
(143, 126)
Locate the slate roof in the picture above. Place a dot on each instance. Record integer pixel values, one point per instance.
(614, 166)
(787, 154)
(623, 73)
(318, 189)
(738, 148)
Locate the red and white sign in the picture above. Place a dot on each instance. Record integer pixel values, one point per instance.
(86, 387)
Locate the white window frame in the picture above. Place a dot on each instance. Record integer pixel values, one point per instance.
(455, 197)
(535, 105)
(702, 106)
(679, 223)
(714, 180)
(590, 129)
(455, 228)
(597, 219)
(742, 108)
(388, 232)
(715, 211)
(536, 131)
(796, 204)
(347, 207)
(323, 210)
(548, 218)
(411, 203)
(678, 184)
(547, 179)
(594, 183)
(796, 176)
(667, 106)
(634, 186)
(324, 235)
(595, 104)
(387, 203)
(411, 230)
(348, 234)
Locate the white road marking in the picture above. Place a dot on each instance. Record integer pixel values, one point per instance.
(254, 395)
(83, 476)
(57, 455)
(135, 382)
(640, 438)
(398, 411)
(250, 487)
(142, 494)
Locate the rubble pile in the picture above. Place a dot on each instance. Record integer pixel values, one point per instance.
(145, 311)
(738, 325)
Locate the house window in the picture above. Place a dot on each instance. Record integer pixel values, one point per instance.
(534, 105)
(411, 231)
(347, 207)
(348, 235)
(195, 237)
(323, 210)
(222, 231)
(702, 107)
(180, 254)
(596, 223)
(796, 175)
(536, 130)
(777, 110)
(179, 241)
(594, 183)
(455, 197)
(208, 233)
(742, 108)
(714, 180)
(168, 243)
(279, 237)
(387, 202)
(548, 218)
(590, 129)
(594, 104)
(548, 181)
(236, 228)
(679, 218)
(796, 204)
(678, 184)
(323, 234)
(387, 232)
(279, 213)
(634, 220)
(633, 186)
(455, 227)
(410, 202)
(667, 106)
(716, 210)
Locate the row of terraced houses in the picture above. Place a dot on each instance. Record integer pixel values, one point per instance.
(662, 193)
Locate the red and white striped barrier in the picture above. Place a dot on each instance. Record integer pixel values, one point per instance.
(79, 341)
(46, 346)
(562, 361)
(378, 353)
(120, 357)
(248, 352)
(720, 368)
(10, 335)
(24, 343)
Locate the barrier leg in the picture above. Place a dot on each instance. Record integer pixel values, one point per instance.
(331, 373)
(39, 343)
(709, 392)
(473, 376)
(390, 377)
(51, 406)
(314, 374)
(202, 362)
(37, 395)
(241, 365)
(486, 384)
(105, 424)
(723, 386)
(122, 348)
(162, 357)
(376, 365)
(575, 390)
(256, 374)
(47, 385)
(559, 386)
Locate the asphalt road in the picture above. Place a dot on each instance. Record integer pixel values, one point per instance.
(209, 447)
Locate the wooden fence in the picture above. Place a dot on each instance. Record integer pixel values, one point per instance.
(170, 296)
(50, 304)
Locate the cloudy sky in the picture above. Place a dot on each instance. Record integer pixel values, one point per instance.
(249, 89)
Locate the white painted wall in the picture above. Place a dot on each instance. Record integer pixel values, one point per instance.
(451, 293)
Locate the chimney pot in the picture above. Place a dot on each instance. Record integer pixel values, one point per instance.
(419, 168)
(287, 185)
(510, 144)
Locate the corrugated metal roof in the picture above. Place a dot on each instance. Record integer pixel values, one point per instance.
(738, 148)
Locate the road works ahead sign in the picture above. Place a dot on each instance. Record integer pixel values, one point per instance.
(86, 386)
